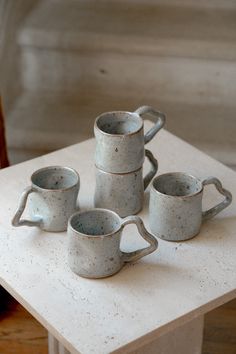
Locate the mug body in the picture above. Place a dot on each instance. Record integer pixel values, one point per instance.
(122, 193)
(119, 142)
(94, 243)
(175, 206)
(54, 200)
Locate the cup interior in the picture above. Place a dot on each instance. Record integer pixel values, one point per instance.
(95, 222)
(119, 123)
(177, 184)
(55, 178)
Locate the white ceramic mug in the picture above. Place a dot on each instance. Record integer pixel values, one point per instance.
(123, 192)
(94, 242)
(175, 207)
(120, 139)
(52, 198)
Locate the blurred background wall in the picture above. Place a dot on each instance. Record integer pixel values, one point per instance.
(64, 62)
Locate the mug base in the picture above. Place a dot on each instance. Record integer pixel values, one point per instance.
(121, 214)
(180, 239)
(53, 230)
(124, 215)
(96, 276)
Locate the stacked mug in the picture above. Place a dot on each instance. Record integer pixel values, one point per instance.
(119, 159)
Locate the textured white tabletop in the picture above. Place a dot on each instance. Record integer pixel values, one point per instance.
(157, 294)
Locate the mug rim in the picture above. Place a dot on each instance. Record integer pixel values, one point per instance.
(47, 168)
(118, 135)
(117, 174)
(177, 196)
(78, 233)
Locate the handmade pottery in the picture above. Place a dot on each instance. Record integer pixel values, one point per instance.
(52, 198)
(94, 242)
(123, 193)
(175, 207)
(120, 139)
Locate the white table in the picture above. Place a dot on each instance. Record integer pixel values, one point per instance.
(152, 306)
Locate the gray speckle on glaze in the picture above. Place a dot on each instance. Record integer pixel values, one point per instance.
(123, 193)
(94, 243)
(51, 198)
(120, 139)
(175, 206)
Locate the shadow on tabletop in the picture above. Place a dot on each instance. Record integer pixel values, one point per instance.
(215, 231)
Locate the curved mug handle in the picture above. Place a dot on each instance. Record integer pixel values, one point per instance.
(16, 221)
(154, 166)
(159, 121)
(208, 214)
(153, 244)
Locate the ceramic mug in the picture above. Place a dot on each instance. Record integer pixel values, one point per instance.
(123, 193)
(94, 242)
(120, 139)
(52, 198)
(175, 206)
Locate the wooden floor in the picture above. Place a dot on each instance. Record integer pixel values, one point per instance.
(20, 333)
(220, 330)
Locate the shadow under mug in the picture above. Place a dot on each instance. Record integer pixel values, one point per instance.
(123, 192)
(94, 242)
(120, 139)
(175, 206)
(51, 198)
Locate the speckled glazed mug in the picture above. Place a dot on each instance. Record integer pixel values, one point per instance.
(123, 192)
(120, 139)
(94, 242)
(51, 198)
(175, 207)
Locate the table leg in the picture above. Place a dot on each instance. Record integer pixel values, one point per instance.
(183, 340)
(54, 347)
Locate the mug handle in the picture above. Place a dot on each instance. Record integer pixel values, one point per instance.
(154, 166)
(23, 200)
(159, 121)
(135, 255)
(208, 214)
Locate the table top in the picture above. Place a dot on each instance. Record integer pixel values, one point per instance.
(151, 297)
